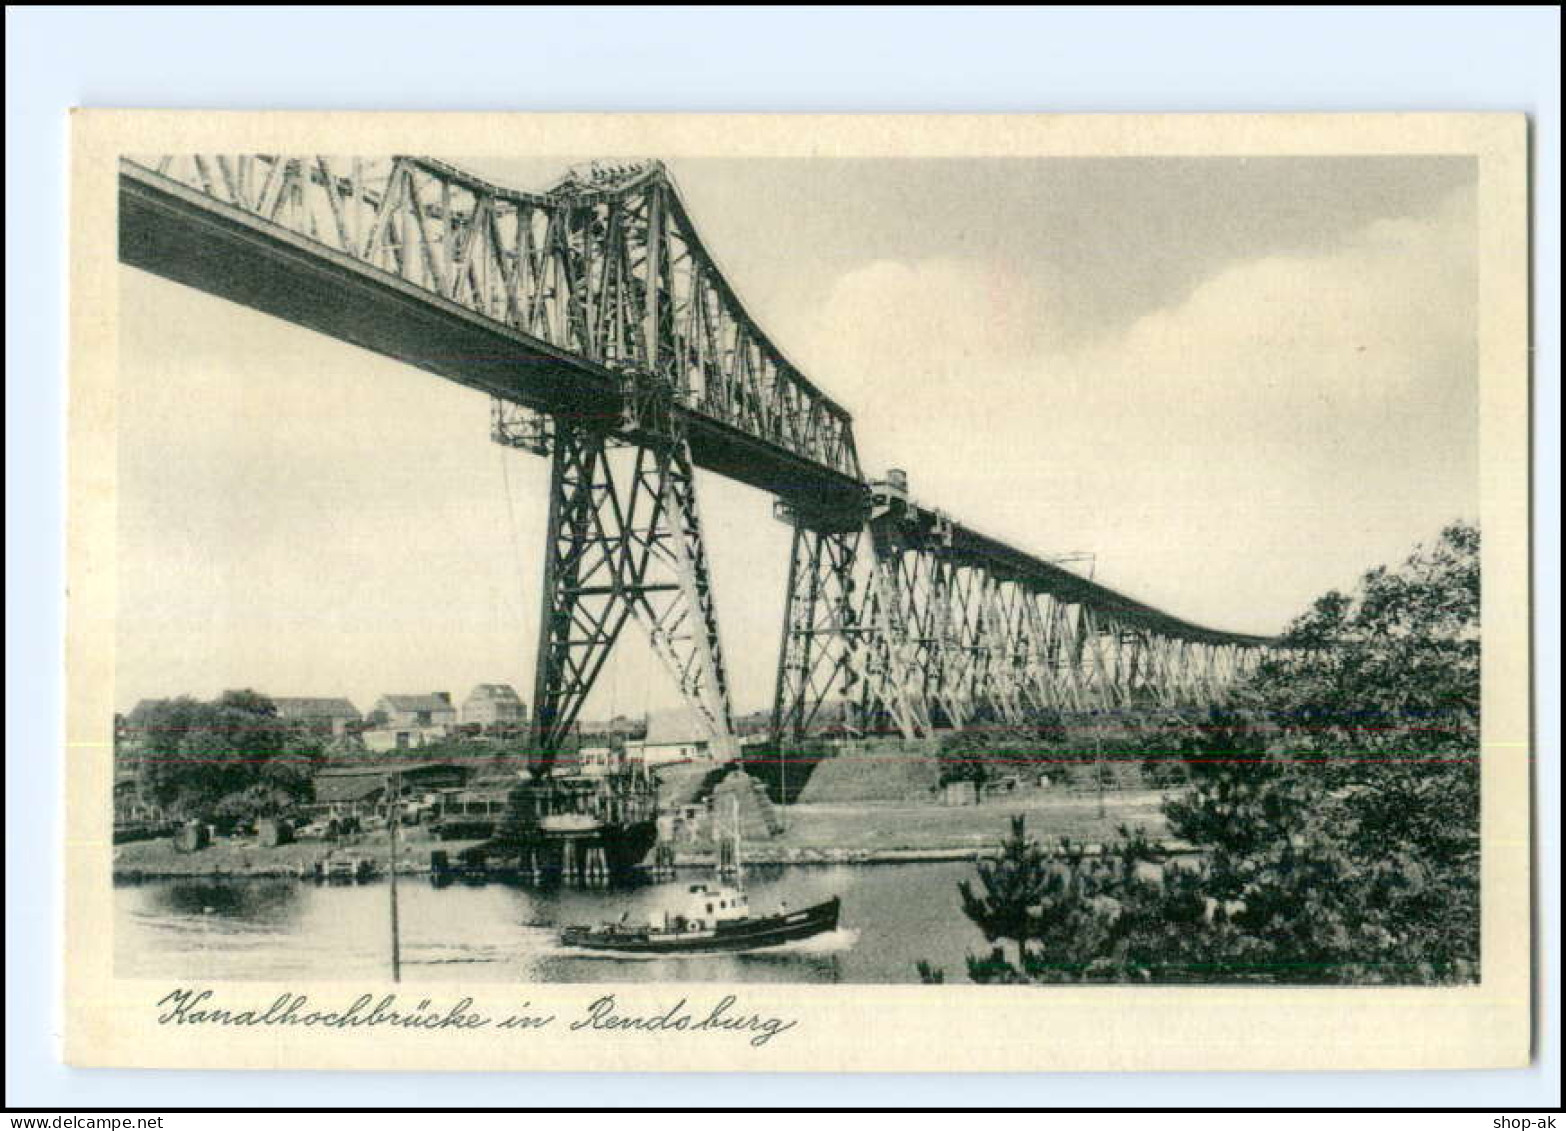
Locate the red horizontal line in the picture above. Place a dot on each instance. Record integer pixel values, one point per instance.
(969, 756)
(963, 759)
(998, 729)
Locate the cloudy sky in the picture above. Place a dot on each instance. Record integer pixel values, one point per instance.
(1237, 382)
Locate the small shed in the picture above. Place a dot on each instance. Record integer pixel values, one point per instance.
(349, 793)
(273, 831)
(960, 793)
(360, 788)
(193, 837)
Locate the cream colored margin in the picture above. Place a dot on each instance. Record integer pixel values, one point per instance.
(110, 1021)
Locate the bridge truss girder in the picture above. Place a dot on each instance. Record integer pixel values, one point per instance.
(606, 267)
(915, 638)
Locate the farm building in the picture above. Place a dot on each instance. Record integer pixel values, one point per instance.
(407, 722)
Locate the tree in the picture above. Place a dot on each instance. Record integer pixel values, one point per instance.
(1335, 807)
(1117, 914)
(232, 756)
(1376, 701)
(984, 753)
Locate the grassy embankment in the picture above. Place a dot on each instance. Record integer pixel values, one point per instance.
(896, 830)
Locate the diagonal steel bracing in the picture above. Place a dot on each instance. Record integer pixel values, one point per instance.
(625, 542)
(919, 639)
(887, 662)
(820, 628)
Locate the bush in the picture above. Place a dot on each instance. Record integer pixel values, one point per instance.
(197, 758)
(1336, 806)
(985, 753)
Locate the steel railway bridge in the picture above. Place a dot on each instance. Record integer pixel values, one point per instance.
(597, 321)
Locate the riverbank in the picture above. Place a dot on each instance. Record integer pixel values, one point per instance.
(863, 833)
(891, 833)
(242, 857)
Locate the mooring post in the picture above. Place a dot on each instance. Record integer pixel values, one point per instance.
(394, 818)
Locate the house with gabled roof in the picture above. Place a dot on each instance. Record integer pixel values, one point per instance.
(672, 736)
(433, 708)
(325, 716)
(493, 704)
(407, 722)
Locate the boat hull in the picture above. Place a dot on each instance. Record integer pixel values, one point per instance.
(539, 855)
(752, 934)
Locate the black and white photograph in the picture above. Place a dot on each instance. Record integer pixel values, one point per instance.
(782, 559)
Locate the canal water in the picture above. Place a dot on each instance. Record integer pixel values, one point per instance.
(893, 916)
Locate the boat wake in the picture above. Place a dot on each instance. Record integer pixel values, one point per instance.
(456, 954)
(830, 942)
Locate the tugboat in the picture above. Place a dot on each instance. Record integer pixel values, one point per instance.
(716, 918)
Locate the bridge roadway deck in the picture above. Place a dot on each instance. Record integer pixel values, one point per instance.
(183, 235)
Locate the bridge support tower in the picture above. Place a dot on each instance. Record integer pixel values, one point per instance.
(624, 542)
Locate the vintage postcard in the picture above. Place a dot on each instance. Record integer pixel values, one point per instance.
(1011, 593)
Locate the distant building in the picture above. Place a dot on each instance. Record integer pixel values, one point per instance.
(385, 740)
(325, 716)
(494, 704)
(599, 761)
(621, 726)
(433, 709)
(407, 722)
(683, 801)
(672, 736)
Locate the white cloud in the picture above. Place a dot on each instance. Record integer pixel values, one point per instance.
(1293, 420)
